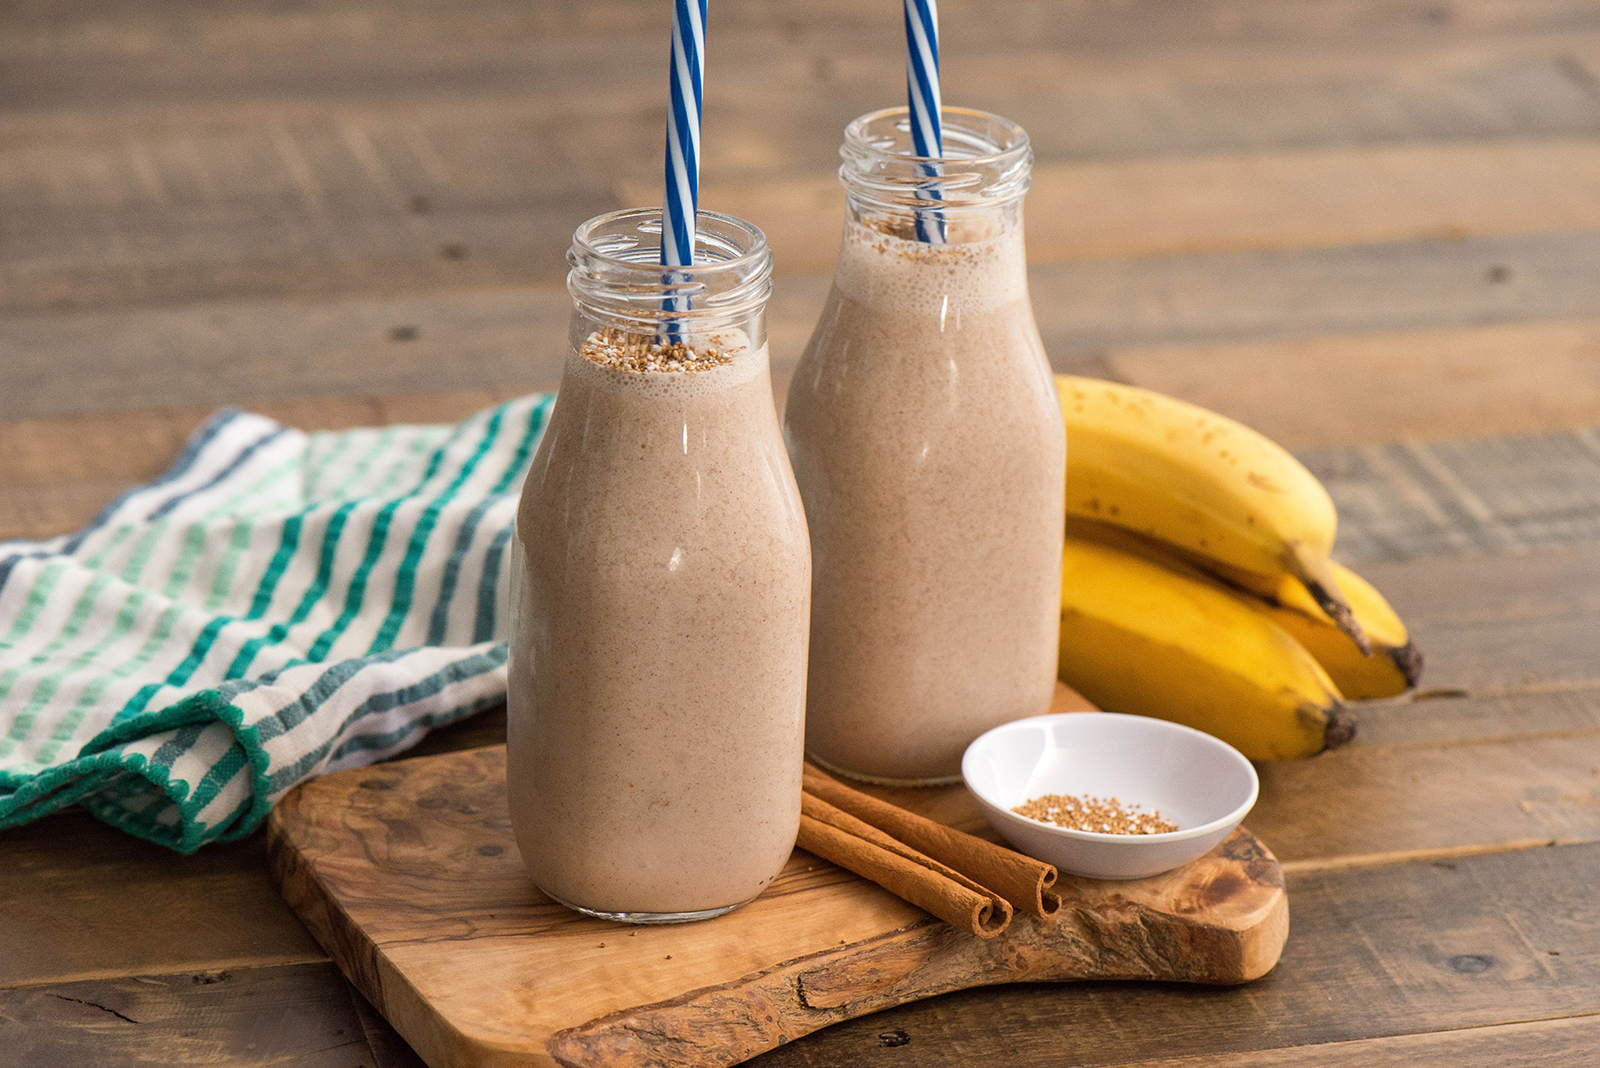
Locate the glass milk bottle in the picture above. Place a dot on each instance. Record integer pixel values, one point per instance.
(927, 440)
(660, 590)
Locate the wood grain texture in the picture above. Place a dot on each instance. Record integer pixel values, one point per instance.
(1500, 624)
(277, 352)
(249, 352)
(1376, 953)
(1310, 198)
(244, 1018)
(277, 202)
(82, 900)
(1326, 197)
(408, 874)
(245, 153)
(1362, 805)
(389, 1050)
(1288, 1017)
(1396, 501)
(1346, 72)
(1089, 309)
(1091, 28)
(1508, 379)
(1443, 717)
(1508, 496)
(1515, 1045)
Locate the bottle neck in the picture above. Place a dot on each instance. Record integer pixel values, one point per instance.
(973, 192)
(617, 282)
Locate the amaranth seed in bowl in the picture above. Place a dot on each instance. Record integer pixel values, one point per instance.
(1102, 815)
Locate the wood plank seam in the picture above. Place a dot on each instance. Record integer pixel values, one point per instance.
(1419, 856)
(1400, 1049)
(174, 967)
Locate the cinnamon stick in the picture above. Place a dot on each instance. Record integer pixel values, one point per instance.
(862, 848)
(1021, 880)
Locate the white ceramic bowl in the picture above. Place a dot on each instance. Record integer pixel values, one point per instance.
(1202, 784)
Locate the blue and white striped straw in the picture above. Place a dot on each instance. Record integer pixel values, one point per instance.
(682, 200)
(922, 89)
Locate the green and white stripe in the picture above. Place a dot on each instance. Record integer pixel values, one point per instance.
(276, 606)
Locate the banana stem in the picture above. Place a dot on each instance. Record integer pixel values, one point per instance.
(1314, 572)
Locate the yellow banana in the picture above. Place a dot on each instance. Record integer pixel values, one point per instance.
(1139, 638)
(1200, 481)
(1395, 663)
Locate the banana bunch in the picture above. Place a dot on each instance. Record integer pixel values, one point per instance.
(1197, 583)
(1208, 485)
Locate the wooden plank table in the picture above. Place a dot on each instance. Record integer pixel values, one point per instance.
(1371, 230)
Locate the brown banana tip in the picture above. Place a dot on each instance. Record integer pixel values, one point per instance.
(1339, 611)
(1313, 570)
(1341, 727)
(1408, 658)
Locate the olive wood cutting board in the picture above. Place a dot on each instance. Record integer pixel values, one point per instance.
(408, 875)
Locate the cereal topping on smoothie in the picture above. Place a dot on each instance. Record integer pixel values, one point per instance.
(639, 353)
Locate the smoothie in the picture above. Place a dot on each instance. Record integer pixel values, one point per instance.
(927, 440)
(658, 653)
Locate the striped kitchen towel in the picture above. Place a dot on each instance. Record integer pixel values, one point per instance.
(277, 605)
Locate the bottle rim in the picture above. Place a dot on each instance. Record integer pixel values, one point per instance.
(987, 161)
(615, 269)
